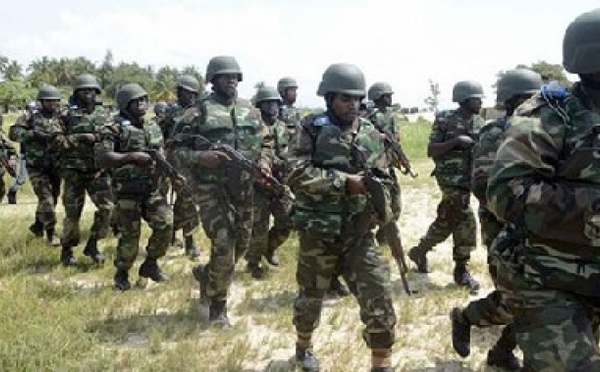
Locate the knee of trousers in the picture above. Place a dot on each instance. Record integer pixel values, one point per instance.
(379, 318)
(307, 310)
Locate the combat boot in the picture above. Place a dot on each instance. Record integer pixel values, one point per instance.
(122, 280)
(461, 332)
(463, 278)
(271, 257)
(12, 196)
(418, 255)
(51, 237)
(255, 270)
(501, 355)
(217, 314)
(66, 256)
(190, 247)
(337, 288)
(200, 275)
(91, 250)
(149, 269)
(306, 359)
(37, 228)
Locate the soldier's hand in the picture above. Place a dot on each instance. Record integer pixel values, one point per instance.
(355, 185)
(139, 158)
(464, 142)
(178, 183)
(212, 159)
(86, 137)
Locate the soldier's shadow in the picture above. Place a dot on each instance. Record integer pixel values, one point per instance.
(419, 285)
(443, 365)
(271, 303)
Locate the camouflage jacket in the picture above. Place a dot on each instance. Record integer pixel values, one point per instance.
(454, 167)
(282, 134)
(76, 153)
(40, 153)
(176, 118)
(386, 121)
(290, 115)
(124, 137)
(484, 154)
(546, 182)
(6, 147)
(238, 125)
(323, 155)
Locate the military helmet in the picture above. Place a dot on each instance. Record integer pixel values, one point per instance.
(49, 92)
(379, 89)
(86, 81)
(188, 82)
(266, 93)
(160, 107)
(464, 90)
(342, 78)
(222, 65)
(581, 44)
(286, 82)
(128, 92)
(519, 81)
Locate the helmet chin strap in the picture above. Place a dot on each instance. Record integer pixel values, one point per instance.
(592, 86)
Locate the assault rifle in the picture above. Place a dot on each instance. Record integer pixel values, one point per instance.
(164, 167)
(5, 162)
(376, 189)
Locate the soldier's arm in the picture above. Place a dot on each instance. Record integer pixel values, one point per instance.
(484, 153)
(19, 131)
(525, 188)
(307, 177)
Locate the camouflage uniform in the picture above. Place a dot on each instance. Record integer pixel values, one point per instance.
(9, 151)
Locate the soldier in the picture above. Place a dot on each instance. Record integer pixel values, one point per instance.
(452, 136)
(83, 122)
(9, 161)
(222, 191)
(125, 148)
(288, 90)
(265, 241)
(545, 183)
(36, 132)
(178, 116)
(513, 88)
(19, 181)
(334, 215)
(160, 111)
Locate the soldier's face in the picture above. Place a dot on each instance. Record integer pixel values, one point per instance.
(138, 107)
(473, 105)
(86, 95)
(386, 99)
(345, 107)
(186, 97)
(269, 108)
(289, 95)
(50, 105)
(226, 84)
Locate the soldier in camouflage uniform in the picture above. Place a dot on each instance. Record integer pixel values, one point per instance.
(136, 186)
(178, 116)
(452, 137)
(513, 88)
(7, 150)
(288, 90)
(19, 181)
(83, 124)
(545, 183)
(36, 132)
(265, 241)
(334, 215)
(222, 191)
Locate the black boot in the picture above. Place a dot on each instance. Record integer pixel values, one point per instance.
(418, 255)
(463, 278)
(122, 280)
(271, 257)
(150, 269)
(91, 250)
(255, 270)
(337, 288)
(37, 228)
(501, 355)
(217, 314)
(306, 359)
(51, 237)
(461, 332)
(382, 369)
(190, 247)
(66, 256)
(12, 196)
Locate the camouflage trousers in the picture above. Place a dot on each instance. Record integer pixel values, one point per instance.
(185, 214)
(155, 210)
(226, 217)
(46, 186)
(556, 330)
(318, 260)
(454, 217)
(490, 226)
(98, 187)
(264, 239)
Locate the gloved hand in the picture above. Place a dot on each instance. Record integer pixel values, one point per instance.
(355, 185)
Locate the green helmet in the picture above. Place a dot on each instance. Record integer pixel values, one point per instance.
(379, 89)
(188, 82)
(222, 65)
(48, 91)
(286, 82)
(519, 81)
(581, 44)
(127, 93)
(160, 107)
(86, 81)
(342, 78)
(464, 90)
(266, 93)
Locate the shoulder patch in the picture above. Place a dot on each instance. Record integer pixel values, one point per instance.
(554, 90)
(321, 120)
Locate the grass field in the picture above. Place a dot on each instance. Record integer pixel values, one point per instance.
(70, 319)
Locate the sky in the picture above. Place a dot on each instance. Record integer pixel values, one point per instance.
(404, 43)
